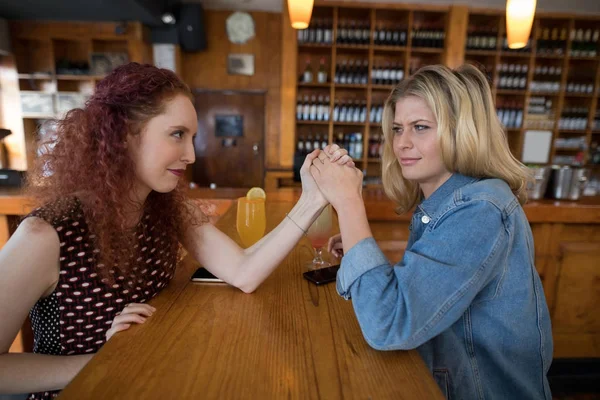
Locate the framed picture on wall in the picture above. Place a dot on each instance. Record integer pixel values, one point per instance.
(229, 125)
(240, 64)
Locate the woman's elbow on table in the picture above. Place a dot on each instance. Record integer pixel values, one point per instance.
(387, 340)
(246, 284)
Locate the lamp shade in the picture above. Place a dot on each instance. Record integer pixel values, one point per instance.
(300, 11)
(519, 18)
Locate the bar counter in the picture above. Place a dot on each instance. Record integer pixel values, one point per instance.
(567, 253)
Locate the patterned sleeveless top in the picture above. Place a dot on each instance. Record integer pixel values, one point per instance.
(75, 317)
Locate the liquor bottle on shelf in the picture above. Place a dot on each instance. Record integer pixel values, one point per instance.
(299, 108)
(320, 111)
(307, 75)
(546, 79)
(322, 73)
(512, 76)
(306, 109)
(543, 38)
(312, 116)
(327, 32)
(300, 147)
(317, 142)
(319, 33)
(341, 32)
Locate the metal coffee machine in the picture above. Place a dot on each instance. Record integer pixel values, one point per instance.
(566, 183)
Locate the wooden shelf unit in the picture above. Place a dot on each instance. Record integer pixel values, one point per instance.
(407, 16)
(40, 47)
(408, 57)
(560, 99)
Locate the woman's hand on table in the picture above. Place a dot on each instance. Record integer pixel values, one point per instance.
(335, 247)
(133, 313)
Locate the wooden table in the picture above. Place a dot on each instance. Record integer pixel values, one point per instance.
(289, 339)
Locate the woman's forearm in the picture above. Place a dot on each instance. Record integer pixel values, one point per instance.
(262, 258)
(354, 225)
(28, 372)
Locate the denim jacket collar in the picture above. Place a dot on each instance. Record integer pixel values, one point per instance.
(431, 206)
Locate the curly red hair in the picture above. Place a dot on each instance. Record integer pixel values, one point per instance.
(87, 157)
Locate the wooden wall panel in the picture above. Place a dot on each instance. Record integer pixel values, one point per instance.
(208, 69)
(289, 76)
(456, 36)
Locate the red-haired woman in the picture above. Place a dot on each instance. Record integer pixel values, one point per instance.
(107, 234)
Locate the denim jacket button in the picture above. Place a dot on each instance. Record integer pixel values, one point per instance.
(425, 219)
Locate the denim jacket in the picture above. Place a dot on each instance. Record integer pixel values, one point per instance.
(466, 294)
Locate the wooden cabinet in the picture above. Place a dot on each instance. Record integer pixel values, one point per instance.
(58, 66)
(575, 316)
(554, 54)
(570, 267)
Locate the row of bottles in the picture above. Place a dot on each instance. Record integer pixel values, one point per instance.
(315, 109)
(481, 38)
(388, 74)
(352, 142)
(320, 31)
(567, 159)
(305, 146)
(579, 143)
(512, 76)
(389, 36)
(540, 114)
(308, 75)
(348, 111)
(352, 72)
(584, 43)
(546, 79)
(510, 115)
(579, 87)
(376, 113)
(428, 36)
(551, 42)
(353, 32)
(573, 118)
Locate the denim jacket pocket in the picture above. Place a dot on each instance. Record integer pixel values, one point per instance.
(442, 378)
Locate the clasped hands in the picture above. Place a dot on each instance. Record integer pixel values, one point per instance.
(338, 181)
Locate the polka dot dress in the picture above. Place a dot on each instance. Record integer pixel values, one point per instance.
(75, 317)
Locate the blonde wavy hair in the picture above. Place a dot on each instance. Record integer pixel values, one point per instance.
(472, 139)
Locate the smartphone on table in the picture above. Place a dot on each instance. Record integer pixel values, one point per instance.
(202, 275)
(323, 275)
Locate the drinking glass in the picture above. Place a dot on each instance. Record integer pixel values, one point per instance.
(251, 220)
(318, 234)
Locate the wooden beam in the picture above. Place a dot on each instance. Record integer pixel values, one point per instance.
(456, 36)
(289, 57)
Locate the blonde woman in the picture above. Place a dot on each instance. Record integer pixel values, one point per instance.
(466, 294)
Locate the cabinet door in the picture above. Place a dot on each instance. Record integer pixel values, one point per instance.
(575, 315)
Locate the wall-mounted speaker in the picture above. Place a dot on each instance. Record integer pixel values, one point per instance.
(190, 26)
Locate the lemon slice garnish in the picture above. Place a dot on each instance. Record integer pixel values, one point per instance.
(256, 193)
